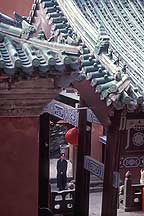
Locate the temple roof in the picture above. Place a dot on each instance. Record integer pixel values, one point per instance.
(109, 36)
(22, 57)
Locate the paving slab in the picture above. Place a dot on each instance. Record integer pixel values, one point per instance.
(95, 207)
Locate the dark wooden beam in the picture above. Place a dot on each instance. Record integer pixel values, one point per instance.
(44, 193)
(81, 206)
(92, 98)
(87, 151)
(111, 171)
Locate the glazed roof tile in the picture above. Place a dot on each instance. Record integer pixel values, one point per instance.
(111, 53)
(7, 20)
(18, 54)
(115, 71)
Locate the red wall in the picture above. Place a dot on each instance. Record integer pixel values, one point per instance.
(96, 147)
(18, 166)
(20, 6)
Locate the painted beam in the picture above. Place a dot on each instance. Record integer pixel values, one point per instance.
(68, 113)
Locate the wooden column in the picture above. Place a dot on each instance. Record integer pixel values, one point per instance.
(112, 161)
(81, 206)
(44, 193)
(87, 151)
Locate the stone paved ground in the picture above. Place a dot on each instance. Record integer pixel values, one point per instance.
(95, 207)
(95, 198)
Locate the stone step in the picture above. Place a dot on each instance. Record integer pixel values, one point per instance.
(96, 182)
(95, 189)
(96, 186)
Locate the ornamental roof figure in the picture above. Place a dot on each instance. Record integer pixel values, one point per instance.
(109, 37)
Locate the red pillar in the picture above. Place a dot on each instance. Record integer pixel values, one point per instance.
(143, 199)
(112, 161)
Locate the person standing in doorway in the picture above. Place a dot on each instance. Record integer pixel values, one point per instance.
(61, 172)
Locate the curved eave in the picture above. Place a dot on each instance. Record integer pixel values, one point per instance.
(30, 57)
(115, 86)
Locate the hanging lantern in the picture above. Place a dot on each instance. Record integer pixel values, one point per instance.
(71, 136)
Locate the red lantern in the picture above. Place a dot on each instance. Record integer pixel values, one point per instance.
(71, 136)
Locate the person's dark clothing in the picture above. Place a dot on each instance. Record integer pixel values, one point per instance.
(61, 174)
